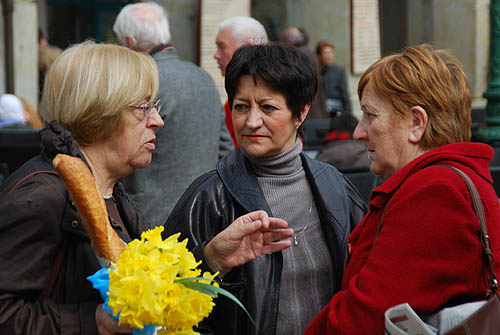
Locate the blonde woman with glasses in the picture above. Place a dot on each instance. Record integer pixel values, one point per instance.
(99, 105)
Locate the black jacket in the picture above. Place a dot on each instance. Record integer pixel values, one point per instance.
(219, 197)
(35, 218)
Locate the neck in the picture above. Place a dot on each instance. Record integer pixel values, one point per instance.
(105, 180)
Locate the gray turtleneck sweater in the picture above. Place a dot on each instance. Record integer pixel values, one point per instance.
(306, 281)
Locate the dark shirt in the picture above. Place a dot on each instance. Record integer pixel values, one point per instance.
(334, 83)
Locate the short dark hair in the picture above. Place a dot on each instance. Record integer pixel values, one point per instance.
(284, 68)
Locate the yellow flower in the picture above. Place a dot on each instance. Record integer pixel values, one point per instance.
(142, 287)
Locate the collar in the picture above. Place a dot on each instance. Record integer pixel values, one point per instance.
(160, 48)
(475, 156)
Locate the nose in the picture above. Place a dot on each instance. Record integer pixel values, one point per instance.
(254, 119)
(360, 133)
(155, 121)
(216, 54)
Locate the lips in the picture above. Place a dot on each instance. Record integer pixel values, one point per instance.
(151, 144)
(255, 137)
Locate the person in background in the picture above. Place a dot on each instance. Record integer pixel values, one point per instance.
(46, 55)
(333, 79)
(194, 136)
(270, 89)
(233, 33)
(12, 112)
(298, 37)
(419, 243)
(340, 149)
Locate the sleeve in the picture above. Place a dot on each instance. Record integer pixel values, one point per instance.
(30, 235)
(225, 140)
(201, 213)
(344, 93)
(424, 255)
(357, 206)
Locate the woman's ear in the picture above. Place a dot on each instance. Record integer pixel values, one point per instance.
(418, 124)
(303, 115)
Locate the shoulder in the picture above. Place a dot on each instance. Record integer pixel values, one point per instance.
(201, 189)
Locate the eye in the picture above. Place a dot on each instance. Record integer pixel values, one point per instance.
(240, 107)
(369, 115)
(268, 108)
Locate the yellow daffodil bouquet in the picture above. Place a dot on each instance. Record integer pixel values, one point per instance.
(155, 286)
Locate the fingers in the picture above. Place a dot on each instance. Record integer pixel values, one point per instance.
(276, 235)
(275, 223)
(106, 325)
(276, 246)
(257, 216)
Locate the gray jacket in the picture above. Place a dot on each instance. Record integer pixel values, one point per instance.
(191, 142)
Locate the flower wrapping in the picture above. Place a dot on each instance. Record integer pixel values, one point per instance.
(144, 288)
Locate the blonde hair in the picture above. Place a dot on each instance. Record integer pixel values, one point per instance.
(89, 86)
(429, 78)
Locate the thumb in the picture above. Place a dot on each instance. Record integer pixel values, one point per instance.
(242, 228)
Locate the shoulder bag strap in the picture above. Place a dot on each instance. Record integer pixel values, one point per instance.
(20, 181)
(485, 239)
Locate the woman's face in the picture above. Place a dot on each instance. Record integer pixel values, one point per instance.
(385, 136)
(263, 123)
(132, 148)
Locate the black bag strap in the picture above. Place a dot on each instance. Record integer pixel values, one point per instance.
(485, 238)
(63, 246)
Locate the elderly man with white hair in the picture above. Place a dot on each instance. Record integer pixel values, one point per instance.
(194, 136)
(233, 33)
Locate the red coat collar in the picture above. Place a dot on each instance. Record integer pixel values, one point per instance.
(476, 156)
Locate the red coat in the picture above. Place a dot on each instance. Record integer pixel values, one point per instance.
(229, 123)
(428, 252)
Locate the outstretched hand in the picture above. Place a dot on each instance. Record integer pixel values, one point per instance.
(246, 239)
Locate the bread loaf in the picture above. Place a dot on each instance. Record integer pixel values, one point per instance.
(90, 204)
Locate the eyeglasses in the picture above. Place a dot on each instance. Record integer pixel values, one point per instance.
(147, 107)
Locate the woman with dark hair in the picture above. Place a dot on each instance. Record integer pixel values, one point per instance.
(270, 89)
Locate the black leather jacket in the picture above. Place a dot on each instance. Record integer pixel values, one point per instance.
(34, 220)
(219, 197)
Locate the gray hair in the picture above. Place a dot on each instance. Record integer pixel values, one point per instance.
(146, 23)
(245, 30)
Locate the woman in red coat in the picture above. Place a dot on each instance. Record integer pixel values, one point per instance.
(416, 115)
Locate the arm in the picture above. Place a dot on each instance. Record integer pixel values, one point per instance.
(30, 235)
(414, 259)
(344, 92)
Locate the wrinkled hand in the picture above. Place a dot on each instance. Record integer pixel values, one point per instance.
(246, 239)
(106, 325)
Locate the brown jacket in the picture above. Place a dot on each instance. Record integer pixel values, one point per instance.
(36, 217)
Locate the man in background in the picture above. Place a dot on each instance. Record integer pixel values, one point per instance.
(333, 79)
(298, 37)
(194, 136)
(233, 33)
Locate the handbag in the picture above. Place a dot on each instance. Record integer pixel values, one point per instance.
(485, 320)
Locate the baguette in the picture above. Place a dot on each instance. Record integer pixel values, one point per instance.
(90, 204)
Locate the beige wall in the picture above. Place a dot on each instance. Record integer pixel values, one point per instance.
(459, 25)
(25, 51)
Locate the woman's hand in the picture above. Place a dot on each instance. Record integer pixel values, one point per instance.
(247, 238)
(106, 325)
